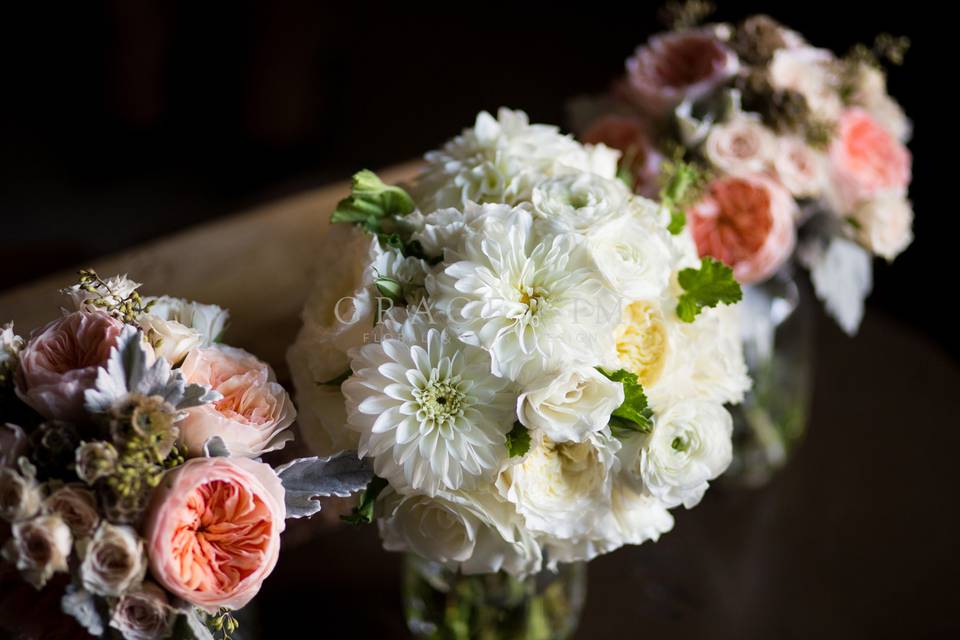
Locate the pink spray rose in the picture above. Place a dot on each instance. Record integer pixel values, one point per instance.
(672, 67)
(213, 530)
(255, 412)
(866, 160)
(60, 362)
(630, 136)
(746, 222)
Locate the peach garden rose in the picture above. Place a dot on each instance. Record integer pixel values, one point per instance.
(746, 222)
(255, 412)
(60, 362)
(213, 530)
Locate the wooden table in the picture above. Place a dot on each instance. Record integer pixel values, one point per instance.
(857, 538)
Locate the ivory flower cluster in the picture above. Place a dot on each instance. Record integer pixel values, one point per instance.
(786, 137)
(130, 464)
(523, 351)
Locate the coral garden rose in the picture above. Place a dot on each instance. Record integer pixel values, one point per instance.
(866, 160)
(213, 530)
(747, 222)
(255, 412)
(60, 362)
(673, 67)
(631, 137)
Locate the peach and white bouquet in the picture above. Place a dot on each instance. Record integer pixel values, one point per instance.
(129, 478)
(535, 366)
(798, 153)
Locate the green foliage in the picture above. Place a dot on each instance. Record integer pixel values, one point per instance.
(713, 283)
(634, 415)
(518, 440)
(363, 512)
(681, 184)
(371, 201)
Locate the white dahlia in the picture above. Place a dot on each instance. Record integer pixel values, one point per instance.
(427, 408)
(501, 160)
(534, 305)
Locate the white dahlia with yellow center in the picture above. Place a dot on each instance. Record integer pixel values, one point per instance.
(427, 409)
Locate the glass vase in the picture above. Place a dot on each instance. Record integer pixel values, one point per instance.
(443, 604)
(778, 328)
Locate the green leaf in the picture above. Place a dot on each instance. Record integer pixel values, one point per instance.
(518, 440)
(389, 288)
(713, 283)
(678, 220)
(370, 201)
(634, 415)
(339, 380)
(363, 512)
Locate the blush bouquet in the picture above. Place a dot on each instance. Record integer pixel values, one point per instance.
(799, 154)
(130, 483)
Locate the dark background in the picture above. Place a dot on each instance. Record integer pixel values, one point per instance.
(126, 120)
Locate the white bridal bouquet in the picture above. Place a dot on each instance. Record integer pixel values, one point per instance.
(534, 362)
(130, 479)
(800, 152)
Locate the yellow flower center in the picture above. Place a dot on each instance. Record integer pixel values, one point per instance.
(642, 342)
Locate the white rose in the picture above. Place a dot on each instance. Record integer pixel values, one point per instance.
(742, 145)
(568, 406)
(800, 168)
(474, 532)
(208, 320)
(811, 73)
(39, 548)
(690, 445)
(560, 488)
(579, 201)
(634, 517)
(634, 253)
(170, 339)
(114, 560)
(884, 225)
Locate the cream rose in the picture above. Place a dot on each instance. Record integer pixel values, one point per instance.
(78, 508)
(234, 505)
(255, 412)
(569, 406)
(143, 614)
(884, 225)
(113, 561)
(561, 487)
(20, 494)
(689, 446)
(800, 168)
(39, 548)
(475, 532)
(811, 73)
(742, 145)
(170, 339)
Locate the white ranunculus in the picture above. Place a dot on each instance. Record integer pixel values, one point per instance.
(742, 145)
(473, 532)
(427, 409)
(570, 405)
(114, 561)
(884, 225)
(634, 253)
(634, 517)
(799, 167)
(207, 320)
(689, 446)
(118, 289)
(811, 72)
(533, 305)
(501, 160)
(560, 488)
(579, 202)
(170, 339)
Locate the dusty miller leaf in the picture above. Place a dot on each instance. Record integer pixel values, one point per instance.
(305, 479)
